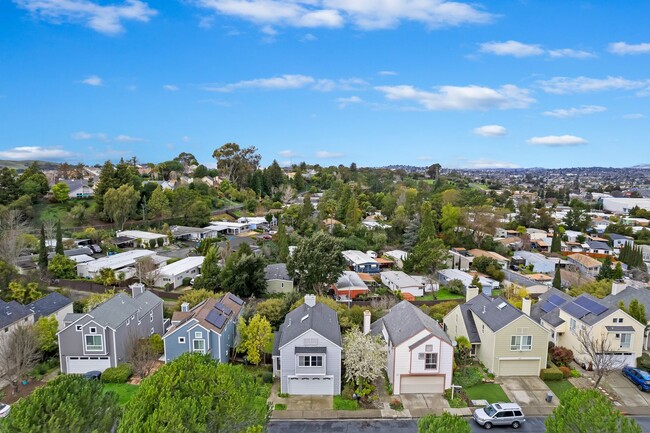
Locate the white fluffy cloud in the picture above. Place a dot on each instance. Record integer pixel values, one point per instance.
(387, 73)
(103, 18)
(449, 98)
(82, 135)
(282, 82)
(35, 152)
(489, 163)
(122, 138)
(491, 131)
(93, 80)
(344, 102)
(170, 87)
(566, 85)
(570, 53)
(325, 154)
(520, 49)
(575, 111)
(557, 140)
(623, 48)
(364, 14)
(288, 153)
(633, 116)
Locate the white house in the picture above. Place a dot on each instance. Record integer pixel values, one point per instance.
(144, 238)
(116, 262)
(176, 272)
(397, 256)
(447, 275)
(398, 280)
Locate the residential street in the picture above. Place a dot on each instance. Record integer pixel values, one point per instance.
(532, 425)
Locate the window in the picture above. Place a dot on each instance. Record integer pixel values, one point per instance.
(521, 342)
(181, 340)
(151, 331)
(626, 340)
(428, 348)
(78, 327)
(198, 334)
(572, 325)
(617, 320)
(310, 341)
(310, 361)
(199, 346)
(430, 361)
(151, 317)
(94, 343)
(128, 322)
(93, 330)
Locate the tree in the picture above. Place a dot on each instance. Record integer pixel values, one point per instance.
(68, 404)
(146, 271)
(46, 328)
(120, 203)
(42, 251)
(12, 241)
(235, 163)
(317, 262)
(59, 239)
(463, 351)
(283, 242)
(61, 192)
(62, 267)
(556, 243)
(8, 186)
(243, 274)
(596, 353)
(365, 357)
(141, 355)
(210, 271)
(18, 354)
(635, 309)
(606, 272)
(599, 289)
(95, 299)
(78, 213)
(196, 296)
(158, 204)
(196, 394)
(557, 279)
(255, 336)
(24, 293)
(588, 410)
(446, 423)
(427, 257)
(272, 310)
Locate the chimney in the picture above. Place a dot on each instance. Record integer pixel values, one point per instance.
(310, 300)
(366, 322)
(618, 286)
(136, 289)
(526, 304)
(185, 307)
(470, 293)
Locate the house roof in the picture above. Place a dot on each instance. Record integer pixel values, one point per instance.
(75, 184)
(405, 320)
(357, 257)
(277, 271)
(350, 280)
(590, 318)
(12, 312)
(627, 295)
(401, 279)
(491, 254)
(598, 245)
(543, 310)
(49, 304)
(202, 313)
(494, 312)
(319, 318)
(616, 236)
(586, 261)
(182, 265)
(115, 311)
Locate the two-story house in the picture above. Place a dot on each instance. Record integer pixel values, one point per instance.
(209, 327)
(503, 338)
(307, 350)
(420, 356)
(102, 338)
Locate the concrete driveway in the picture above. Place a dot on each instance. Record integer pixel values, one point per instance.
(526, 391)
(428, 403)
(627, 393)
(309, 402)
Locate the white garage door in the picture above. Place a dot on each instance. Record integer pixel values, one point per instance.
(84, 364)
(422, 385)
(519, 367)
(311, 385)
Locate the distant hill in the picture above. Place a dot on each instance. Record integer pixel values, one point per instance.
(642, 166)
(21, 165)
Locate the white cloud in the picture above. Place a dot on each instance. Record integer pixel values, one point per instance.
(570, 53)
(488, 163)
(106, 19)
(93, 80)
(461, 98)
(566, 85)
(288, 154)
(282, 82)
(324, 154)
(82, 135)
(364, 14)
(557, 140)
(186, 138)
(344, 102)
(35, 152)
(308, 38)
(424, 158)
(128, 139)
(575, 111)
(633, 116)
(170, 87)
(387, 73)
(623, 48)
(491, 131)
(511, 48)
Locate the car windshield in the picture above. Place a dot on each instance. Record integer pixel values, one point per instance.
(644, 375)
(2, 406)
(489, 410)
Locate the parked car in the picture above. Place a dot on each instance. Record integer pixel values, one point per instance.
(194, 279)
(93, 375)
(638, 377)
(273, 232)
(96, 248)
(499, 414)
(4, 410)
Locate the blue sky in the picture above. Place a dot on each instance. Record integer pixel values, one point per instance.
(492, 84)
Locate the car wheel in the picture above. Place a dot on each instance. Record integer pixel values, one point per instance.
(640, 388)
(515, 424)
(487, 425)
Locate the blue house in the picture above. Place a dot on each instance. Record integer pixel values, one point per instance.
(209, 327)
(359, 261)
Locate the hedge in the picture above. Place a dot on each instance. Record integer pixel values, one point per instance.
(119, 374)
(552, 373)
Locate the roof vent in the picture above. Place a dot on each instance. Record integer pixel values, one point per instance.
(483, 309)
(501, 306)
(305, 317)
(289, 322)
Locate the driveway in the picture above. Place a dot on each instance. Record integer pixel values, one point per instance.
(627, 393)
(309, 402)
(527, 391)
(422, 404)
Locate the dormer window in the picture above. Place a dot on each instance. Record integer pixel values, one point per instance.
(93, 330)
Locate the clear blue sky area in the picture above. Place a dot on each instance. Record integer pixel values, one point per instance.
(494, 84)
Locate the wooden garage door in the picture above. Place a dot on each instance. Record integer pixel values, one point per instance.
(519, 367)
(422, 384)
(323, 385)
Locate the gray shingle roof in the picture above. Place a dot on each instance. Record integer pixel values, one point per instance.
(12, 312)
(405, 320)
(277, 271)
(494, 312)
(472, 333)
(591, 318)
(598, 245)
(320, 318)
(50, 304)
(552, 317)
(116, 310)
(616, 236)
(628, 294)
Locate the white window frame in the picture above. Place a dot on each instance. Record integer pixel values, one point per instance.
(198, 334)
(198, 340)
(310, 361)
(518, 344)
(78, 328)
(430, 365)
(93, 330)
(181, 340)
(428, 348)
(626, 340)
(572, 325)
(87, 347)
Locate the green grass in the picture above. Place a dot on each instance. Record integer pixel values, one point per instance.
(458, 400)
(280, 406)
(341, 403)
(442, 295)
(492, 392)
(124, 391)
(559, 387)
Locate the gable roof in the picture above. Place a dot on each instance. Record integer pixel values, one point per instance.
(598, 245)
(277, 271)
(628, 294)
(586, 261)
(115, 311)
(551, 316)
(405, 320)
(319, 318)
(201, 311)
(590, 318)
(12, 312)
(494, 312)
(50, 304)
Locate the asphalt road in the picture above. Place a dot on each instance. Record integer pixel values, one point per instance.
(532, 425)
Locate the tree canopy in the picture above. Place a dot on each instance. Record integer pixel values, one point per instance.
(316, 262)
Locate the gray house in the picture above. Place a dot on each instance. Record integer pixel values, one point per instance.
(102, 338)
(53, 304)
(278, 279)
(209, 327)
(307, 351)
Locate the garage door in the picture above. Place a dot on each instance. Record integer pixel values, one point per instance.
(311, 385)
(519, 367)
(84, 364)
(422, 385)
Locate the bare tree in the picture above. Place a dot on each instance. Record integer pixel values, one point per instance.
(483, 221)
(147, 271)
(286, 193)
(141, 356)
(50, 229)
(19, 353)
(12, 242)
(598, 352)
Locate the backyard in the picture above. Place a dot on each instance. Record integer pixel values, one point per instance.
(441, 295)
(124, 391)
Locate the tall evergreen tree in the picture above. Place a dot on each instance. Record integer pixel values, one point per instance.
(42, 251)
(606, 272)
(283, 242)
(556, 244)
(557, 279)
(59, 239)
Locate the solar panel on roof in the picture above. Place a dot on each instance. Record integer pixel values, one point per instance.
(236, 299)
(547, 306)
(557, 300)
(593, 306)
(216, 318)
(226, 310)
(575, 310)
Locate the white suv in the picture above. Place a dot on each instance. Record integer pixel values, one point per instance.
(499, 414)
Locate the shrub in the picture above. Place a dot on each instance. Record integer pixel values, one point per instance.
(119, 374)
(395, 404)
(186, 281)
(348, 391)
(160, 242)
(643, 362)
(157, 344)
(566, 371)
(471, 377)
(575, 373)
(267, 377)
(551, 374)
(561, 355)
(152, 243)
(280, 406)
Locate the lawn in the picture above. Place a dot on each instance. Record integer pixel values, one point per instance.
(442, 295)
(280, 406)
(341, 403)
(559, 387)
(491, 392)
(124, 391)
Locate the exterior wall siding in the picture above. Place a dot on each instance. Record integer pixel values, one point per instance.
(522, 326)
(279, 286)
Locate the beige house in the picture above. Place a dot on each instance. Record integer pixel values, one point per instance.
(503, 338)
(585, 264)
(278, 279)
